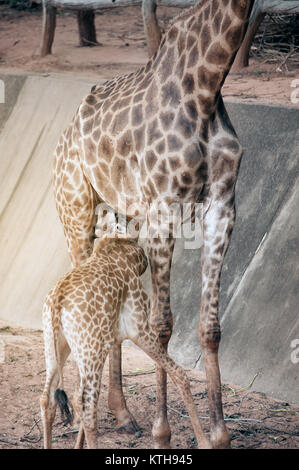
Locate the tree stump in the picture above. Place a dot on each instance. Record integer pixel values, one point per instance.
(87, 31)
(48, 29)
(259, 10)
(151, 27)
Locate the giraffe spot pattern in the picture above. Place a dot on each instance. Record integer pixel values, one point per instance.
(157, 130)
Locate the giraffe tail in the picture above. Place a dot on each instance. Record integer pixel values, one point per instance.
(60, 395)
(62, 401)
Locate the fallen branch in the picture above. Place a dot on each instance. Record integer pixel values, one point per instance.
(141, 372)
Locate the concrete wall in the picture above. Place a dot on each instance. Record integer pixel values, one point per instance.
(32, 247)
(259, 288)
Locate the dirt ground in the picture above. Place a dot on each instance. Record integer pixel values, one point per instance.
(254, 420)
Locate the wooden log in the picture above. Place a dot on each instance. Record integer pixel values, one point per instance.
(87, 32)
(268, 6)
(280, 7)
(48, 29)
(261, 7)
(151, 26)
(94, 4)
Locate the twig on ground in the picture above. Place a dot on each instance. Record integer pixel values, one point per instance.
(65, 433)
(241, 420)
(282, 410)
(140, 372)
(26, 437)
(275, 430)
(235, 392)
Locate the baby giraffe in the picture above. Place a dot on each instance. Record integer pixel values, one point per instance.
(93, 307)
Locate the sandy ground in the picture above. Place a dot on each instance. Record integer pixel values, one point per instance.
(254, 420)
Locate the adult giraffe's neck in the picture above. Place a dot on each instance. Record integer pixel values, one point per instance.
(207, 38)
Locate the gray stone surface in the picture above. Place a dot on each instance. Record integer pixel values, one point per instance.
(261, 320)
(268, 178)
(12, 87)
(268, 170)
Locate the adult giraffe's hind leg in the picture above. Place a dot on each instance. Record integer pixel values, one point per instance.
(76, 203)
(218, 224)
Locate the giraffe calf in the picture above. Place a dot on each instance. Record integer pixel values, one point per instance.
(93, 307)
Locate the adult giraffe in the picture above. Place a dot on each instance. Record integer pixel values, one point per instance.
(162, 134)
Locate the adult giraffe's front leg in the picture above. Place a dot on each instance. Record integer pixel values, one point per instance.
(218, 225)
(160, 255)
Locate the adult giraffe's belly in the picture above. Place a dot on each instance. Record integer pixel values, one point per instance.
(117, 183)
(129, 177)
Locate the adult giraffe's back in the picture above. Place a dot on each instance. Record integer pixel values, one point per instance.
(162, 134)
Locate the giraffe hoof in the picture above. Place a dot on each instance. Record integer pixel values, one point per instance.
(222, 442)
(162, 443)
(222, 445)
(128, 428)
(204, 444)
